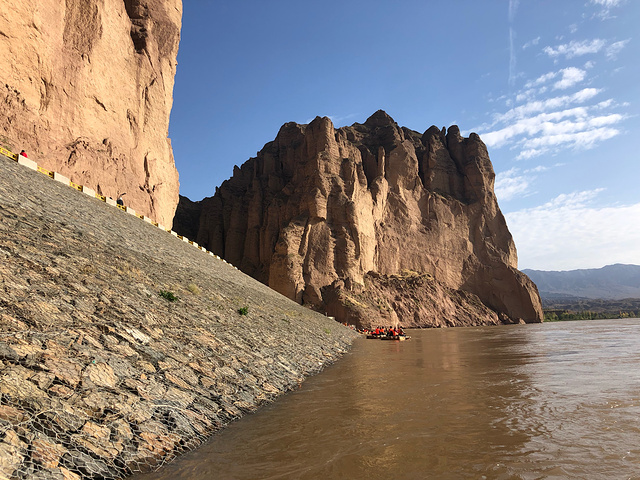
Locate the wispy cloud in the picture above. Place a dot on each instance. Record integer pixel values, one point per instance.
(550, 119)
(608, 3)
(512, 58)
(539, 125)
(570, 231)
(606, 6)
(568, 78)
(575, 49)
(531, 43)
(517, 182)
(337, 120)
(511, 184)
(513, 8)
(612, 50)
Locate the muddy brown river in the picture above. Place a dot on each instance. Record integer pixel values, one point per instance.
(550, 401)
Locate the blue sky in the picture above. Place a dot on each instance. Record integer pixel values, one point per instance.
(552, 87)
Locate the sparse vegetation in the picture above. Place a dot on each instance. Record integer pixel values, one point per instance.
(243, 310)
(590, 309)
(556, 316)
(409, 273)
(327, 331)
(168, 295)
(193, 288)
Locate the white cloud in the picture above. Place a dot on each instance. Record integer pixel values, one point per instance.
(570, 77)
(612, 50)
(516, 182)
(576, 135)
(547, 127)
(575, 49)
(531, 153)
(531, 43)
(541, 79)
(606, 7)
(604, 104)
(538, 169)
(526, 95)
(510, 184)
(536, 117)
(607, 3)
(569, 232)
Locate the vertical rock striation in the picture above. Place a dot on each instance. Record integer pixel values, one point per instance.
(318, 209)
(87, 88)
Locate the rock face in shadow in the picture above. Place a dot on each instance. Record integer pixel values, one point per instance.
(319, 208)
(87, 89)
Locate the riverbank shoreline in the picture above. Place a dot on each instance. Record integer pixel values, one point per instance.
(121, 346)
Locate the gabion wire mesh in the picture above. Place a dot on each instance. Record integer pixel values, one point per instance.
(100, 376)
(85, 405)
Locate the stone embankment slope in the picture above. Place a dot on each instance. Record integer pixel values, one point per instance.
(100, 376)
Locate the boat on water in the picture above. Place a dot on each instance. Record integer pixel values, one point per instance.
(399, 338)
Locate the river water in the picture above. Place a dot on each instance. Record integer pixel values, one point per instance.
(547, 401)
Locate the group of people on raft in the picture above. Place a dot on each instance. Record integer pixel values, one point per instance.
(387, 332)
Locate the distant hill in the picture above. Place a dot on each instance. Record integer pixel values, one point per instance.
(612, 282)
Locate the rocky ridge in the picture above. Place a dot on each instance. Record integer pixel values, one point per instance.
(322, 214)
(613, 282)
(87, 88)
(100, 375)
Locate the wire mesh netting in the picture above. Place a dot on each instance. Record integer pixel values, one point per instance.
(102, 372)
(85, 404)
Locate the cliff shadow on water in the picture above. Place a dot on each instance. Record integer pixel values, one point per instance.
(373, 223)
(122, 346)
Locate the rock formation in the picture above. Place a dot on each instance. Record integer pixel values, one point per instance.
(318, 209)
(87, 89)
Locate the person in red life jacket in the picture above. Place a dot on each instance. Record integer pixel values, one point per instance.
(24, 154)
(400, 331)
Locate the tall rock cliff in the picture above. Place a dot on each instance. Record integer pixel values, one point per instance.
(326, 217)
(87, 88)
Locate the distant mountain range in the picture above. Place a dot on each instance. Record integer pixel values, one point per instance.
(613, 282)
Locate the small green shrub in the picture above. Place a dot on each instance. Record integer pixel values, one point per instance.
(327, 331)
(243, 310)
(168, 295)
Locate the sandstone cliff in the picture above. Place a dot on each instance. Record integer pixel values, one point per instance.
(320, 208)
(86, 89)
